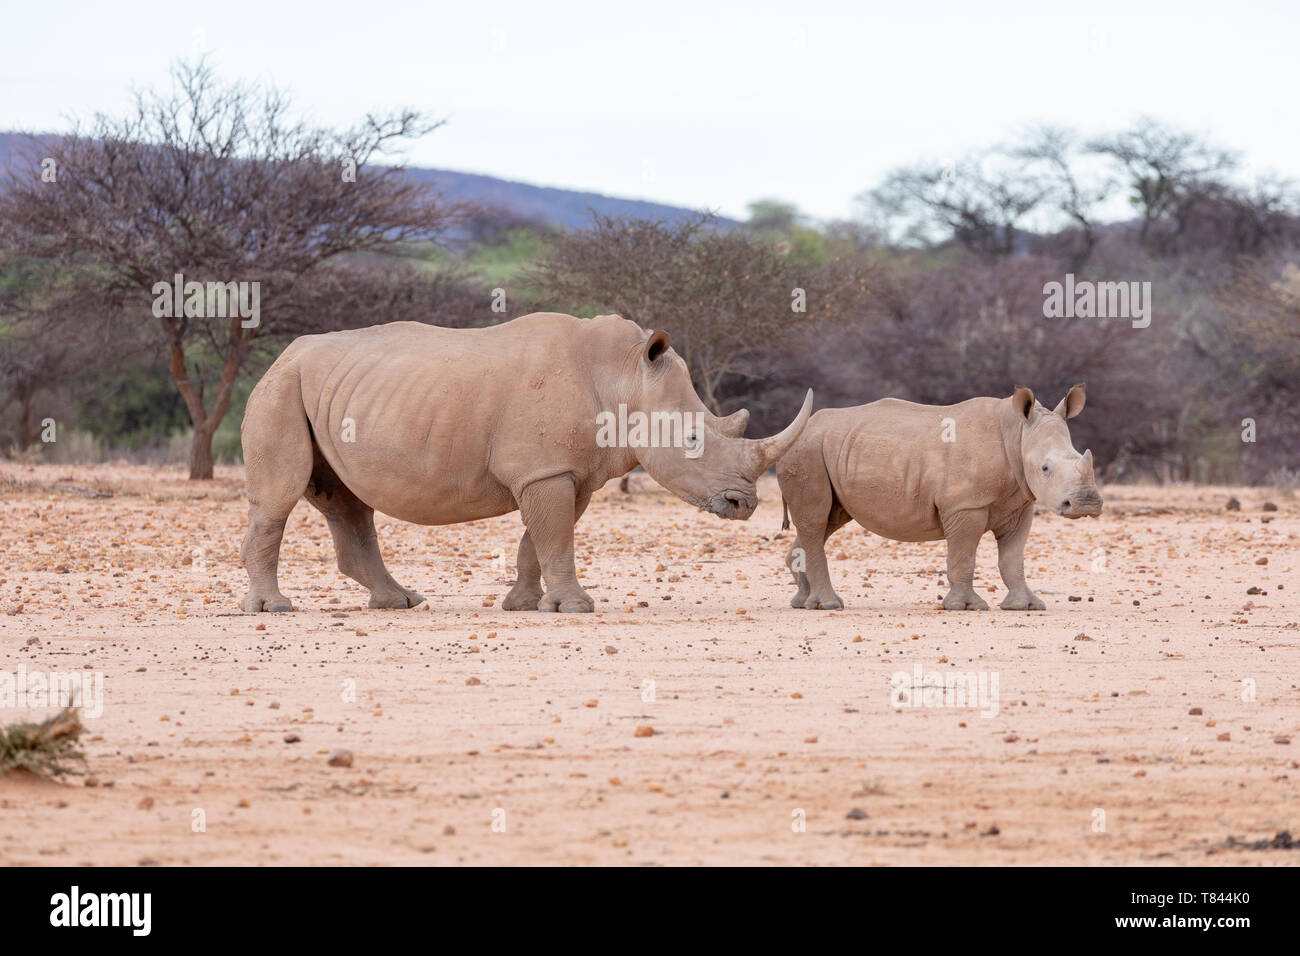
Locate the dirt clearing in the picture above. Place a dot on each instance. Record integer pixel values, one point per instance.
(1151, 714)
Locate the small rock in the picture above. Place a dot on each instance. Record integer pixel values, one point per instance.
(644, 730)
(1233, 505)
(1195, 712)
(291, 738)
(146, 803)
(341, 758)
(856, 814)
(1269, 506)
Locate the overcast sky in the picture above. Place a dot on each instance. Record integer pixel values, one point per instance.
(694, 103)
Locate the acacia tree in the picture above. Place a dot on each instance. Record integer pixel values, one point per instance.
(219, 183)
(724, 295)
(981, 201)
(1166, 170)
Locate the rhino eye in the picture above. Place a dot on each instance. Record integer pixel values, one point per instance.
(1046, 469)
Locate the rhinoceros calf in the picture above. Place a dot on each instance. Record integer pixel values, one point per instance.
(438, 426)
(923, 472)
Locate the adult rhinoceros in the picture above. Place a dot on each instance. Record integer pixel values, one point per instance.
(437, 426)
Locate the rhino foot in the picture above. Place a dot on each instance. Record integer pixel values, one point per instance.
(832, 603)
(278, 603)
(1022, 601)
(966, 600)
(522, 599)
(399, 599)
(566, 603)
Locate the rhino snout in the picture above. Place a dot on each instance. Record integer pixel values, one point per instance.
(1084, 503)
(732, 504)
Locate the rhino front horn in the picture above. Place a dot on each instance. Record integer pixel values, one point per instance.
(768, 451)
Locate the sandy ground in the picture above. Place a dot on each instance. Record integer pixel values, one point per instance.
(1155, 719)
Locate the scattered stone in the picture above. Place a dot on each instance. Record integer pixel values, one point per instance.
(291, 738)
(1232, 505)
(340, 758)
(1269, 506)
(1195, 712)
(644, 730)
(856, 814)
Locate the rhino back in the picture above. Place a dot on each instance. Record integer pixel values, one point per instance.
(895, 473)
(428, 424)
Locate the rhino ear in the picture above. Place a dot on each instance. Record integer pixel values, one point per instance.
(1073, 402)
(655, 346)
(733, 426)
(1022, 400)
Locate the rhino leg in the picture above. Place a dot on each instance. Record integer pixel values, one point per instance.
(816, 516)
(528, 584)
(796, 559)
(550, 509)
(963, 530)
(352, 525)
(1011, 563)
(278, 451)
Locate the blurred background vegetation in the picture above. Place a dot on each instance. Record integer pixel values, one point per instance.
(931, 290)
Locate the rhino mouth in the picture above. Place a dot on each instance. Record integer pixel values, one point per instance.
(1081, 505)
(731, 504)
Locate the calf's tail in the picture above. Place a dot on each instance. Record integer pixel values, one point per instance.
(785, 514)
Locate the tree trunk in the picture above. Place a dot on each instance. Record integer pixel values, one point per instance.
(205, 422)
(201, 454)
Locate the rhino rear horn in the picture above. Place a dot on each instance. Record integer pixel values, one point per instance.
(768, 451)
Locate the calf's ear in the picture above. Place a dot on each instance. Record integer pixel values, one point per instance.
(655, 346)
(1073, 402)
(1022, 400)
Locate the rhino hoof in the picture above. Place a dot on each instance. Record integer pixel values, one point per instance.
(570, 605)
(974, 603)
(254, 605)
(523, 601)
(401, 600)
(1029, 603)
(823, 604)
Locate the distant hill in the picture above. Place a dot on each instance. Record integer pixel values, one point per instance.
(514, 201)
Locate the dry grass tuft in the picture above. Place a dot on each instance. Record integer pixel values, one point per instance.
(48, 749)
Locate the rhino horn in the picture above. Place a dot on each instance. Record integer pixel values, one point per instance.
(766, 452)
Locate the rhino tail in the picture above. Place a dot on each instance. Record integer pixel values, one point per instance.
(785, 514)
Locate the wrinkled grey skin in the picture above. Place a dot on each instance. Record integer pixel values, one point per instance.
(451, 425)
(886, 466)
